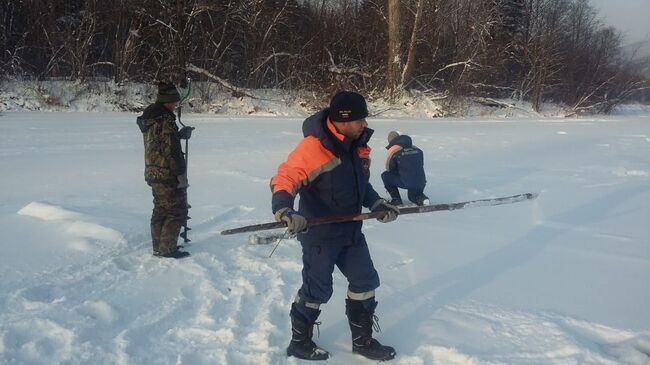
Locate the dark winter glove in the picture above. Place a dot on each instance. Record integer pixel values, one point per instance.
(381, 205)
(185, 132)
(296, 223)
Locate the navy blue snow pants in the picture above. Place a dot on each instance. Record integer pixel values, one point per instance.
(392, 179)
(318, 259)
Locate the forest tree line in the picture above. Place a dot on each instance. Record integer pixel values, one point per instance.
(533, 50)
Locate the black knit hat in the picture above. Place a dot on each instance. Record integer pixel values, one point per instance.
(347, 106)
(167, 93)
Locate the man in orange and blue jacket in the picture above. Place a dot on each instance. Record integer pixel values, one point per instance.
(330, 169)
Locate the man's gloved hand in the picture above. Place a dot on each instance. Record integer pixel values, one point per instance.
(296, 223)
(381, 205)
(185, 132)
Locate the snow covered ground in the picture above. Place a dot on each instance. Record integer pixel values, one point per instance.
(564, 279)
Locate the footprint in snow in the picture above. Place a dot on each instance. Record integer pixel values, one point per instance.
(42, 294)
(400, 264)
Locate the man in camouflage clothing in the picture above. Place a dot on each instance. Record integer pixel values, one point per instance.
(165, 171)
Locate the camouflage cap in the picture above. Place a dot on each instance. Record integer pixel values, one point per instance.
(167, 93)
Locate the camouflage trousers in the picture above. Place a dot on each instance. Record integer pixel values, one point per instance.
(168, 217)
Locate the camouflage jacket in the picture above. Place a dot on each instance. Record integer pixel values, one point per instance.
(163, 157)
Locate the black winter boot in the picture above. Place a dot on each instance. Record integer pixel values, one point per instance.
(361, 322)
(395, 198)
(176, 254)
(301, 345)
(421, 200)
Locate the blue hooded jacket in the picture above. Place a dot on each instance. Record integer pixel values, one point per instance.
(407, 161)
(331, 173)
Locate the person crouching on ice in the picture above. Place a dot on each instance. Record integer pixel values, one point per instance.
(330, 169)
(404, 169)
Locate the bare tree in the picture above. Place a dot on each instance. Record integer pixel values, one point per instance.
(394, 66)
(536, 50)
(410, 58)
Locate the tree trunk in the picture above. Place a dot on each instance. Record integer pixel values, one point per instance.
(179, 39)
(394, 47)
(410, 59)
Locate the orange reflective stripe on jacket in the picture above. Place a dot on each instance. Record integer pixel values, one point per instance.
(305, 163)
(333, 130)
(364, 151)
(391, 152)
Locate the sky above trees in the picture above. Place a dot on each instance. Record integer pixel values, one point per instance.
(629, 16)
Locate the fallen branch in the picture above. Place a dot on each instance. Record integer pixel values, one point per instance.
(348, 71)
(271, 56)
(469, 63)
(222, 82)
(493, 103)
(345, 71)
